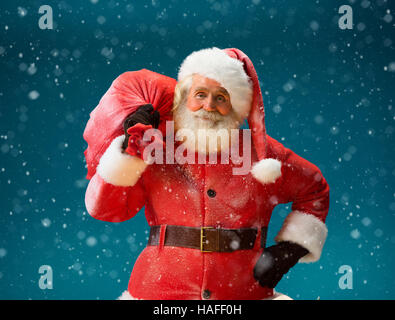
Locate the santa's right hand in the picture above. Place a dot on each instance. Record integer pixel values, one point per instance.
(134, 143)
(146, 115)
(137, 144)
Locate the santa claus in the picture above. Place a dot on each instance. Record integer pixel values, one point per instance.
(208, 225)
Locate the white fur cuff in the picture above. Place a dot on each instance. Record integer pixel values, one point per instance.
(305, 230)
(118, 168)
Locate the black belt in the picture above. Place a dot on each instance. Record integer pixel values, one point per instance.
(207, 239)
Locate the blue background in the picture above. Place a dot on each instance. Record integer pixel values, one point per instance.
(328, 95)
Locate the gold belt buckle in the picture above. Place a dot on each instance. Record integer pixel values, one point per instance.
(203, 239)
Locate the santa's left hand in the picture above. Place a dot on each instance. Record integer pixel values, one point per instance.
(276, 261)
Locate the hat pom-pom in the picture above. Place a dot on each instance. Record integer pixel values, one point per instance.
(266, 170)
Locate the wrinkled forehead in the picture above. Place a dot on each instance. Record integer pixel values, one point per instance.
(203, 83)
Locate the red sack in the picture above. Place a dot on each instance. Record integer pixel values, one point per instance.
(127, 92)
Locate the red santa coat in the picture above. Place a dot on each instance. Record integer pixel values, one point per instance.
(175, 194)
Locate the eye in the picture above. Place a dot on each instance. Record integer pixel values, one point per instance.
(200, 95)
(221, 98)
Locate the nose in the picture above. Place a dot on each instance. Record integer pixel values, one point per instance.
(209, 104)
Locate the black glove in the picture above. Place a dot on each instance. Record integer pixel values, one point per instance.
(276, 261)
(145, 115)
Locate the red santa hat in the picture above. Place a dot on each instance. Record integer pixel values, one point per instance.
(236, 73)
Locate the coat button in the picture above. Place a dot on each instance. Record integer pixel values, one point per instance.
(206, 294)
(211, 193)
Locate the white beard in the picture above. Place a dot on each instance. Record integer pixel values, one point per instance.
(211, 131)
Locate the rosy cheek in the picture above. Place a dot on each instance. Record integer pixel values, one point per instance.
(224, 110)
(193, 105)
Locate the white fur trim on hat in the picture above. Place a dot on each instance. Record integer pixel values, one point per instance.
(215, 64)
(266, 170)
(118, 168)
(306, 230)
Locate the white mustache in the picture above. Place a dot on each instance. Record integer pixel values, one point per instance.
(213, 116)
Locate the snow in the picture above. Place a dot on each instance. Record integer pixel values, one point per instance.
(328, 95)
(46, 222)
(355, 234)
(91, 241)
(33, 95)
(366, 221)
